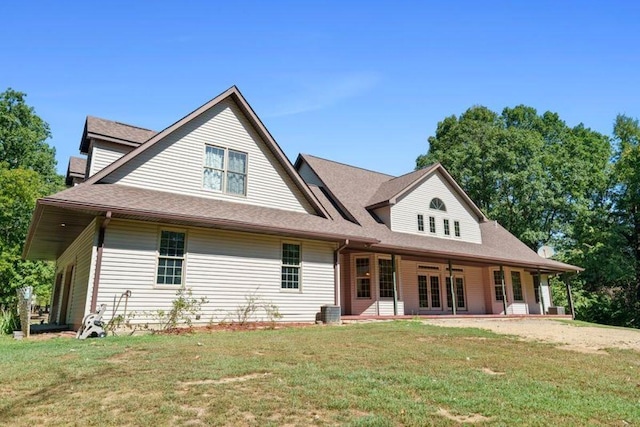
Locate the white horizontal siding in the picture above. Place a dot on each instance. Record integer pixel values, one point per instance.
(224, 267)
(175, 164)
(80, 253)
(405, 212)
(104, 153)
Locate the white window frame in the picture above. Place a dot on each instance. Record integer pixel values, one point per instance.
(420, 223)
(369, 277)
(432, 225)
(183, 258)
(225, 170)
(513, 289)
(456, 229)
(379, 275)
(447, 289)
(298, 288)
(446, 225)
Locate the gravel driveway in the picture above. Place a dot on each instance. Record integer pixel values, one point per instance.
(587, 339)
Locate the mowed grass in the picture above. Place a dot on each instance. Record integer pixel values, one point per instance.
(376, 374)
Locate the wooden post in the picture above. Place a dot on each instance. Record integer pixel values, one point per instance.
(567, 282)
(452, 290)
(540, 295)
(504, 291)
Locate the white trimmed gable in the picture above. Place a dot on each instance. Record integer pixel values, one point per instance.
(176, 162)
(404, 213)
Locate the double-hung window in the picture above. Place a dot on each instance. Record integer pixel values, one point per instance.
(447, 231)
(170, 258)
(432, 224)
(516, 284)
(420, 222)
(290, 266)
(497, 285)
(456, 228)
(385, 278)
(225, 170)
(363, 278)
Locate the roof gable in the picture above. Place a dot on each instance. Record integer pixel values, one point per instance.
(389, 192)
(235, 105)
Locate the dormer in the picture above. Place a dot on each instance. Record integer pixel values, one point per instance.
(428, 202)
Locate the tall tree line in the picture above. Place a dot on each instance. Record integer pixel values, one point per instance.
(27, 172)
(549, 183)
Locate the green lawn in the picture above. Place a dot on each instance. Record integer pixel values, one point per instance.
(376, 374)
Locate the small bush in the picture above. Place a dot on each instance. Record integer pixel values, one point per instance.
(9, 321)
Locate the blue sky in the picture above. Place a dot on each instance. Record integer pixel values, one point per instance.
(361, 82)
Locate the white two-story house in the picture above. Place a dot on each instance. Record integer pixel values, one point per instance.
(213, 205)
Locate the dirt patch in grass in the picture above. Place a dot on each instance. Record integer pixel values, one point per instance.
(583, 339)
(490, 371)
(463, 419)
(226, 380)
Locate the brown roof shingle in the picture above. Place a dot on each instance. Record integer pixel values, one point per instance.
(113, 131)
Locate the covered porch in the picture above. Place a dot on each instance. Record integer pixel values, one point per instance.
(400, 285)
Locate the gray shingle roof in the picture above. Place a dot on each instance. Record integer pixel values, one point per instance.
(113, 131)
(357, 188)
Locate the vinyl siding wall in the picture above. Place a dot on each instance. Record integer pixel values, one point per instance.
(405, 212)
(81, 253)
(225, 267)
(104, 153)
(175, 164)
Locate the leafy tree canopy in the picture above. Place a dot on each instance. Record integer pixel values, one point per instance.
(531, 172)
(27, 172)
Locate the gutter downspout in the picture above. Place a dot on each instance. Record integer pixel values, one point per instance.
(504, 291)
(452, 289)
(96, 273)
(336, 272)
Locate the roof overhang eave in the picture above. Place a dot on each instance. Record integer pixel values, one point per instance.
(542, 267)
(218, 223)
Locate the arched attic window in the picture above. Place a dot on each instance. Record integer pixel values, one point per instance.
(437, 204)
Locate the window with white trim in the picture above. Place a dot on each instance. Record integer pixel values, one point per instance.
(497, 285)
(290, 266)
(536, 287)
(225, 170)
(516, 284)
(447, 231)
(171, 258)
(432, 224)
(458, 289)
(385, 277)
(437, 204)
(363, 278)
(429, 291)
(456, 228)
(420, 222)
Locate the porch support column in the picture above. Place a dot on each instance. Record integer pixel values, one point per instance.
(504, 291)
(96, 274)
(395, 285)
(540, 296)
(452, 289)
(567, 282)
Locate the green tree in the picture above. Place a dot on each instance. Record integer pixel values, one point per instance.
(27, 172)
(531, 172)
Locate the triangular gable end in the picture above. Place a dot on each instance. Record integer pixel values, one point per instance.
(173, 159)
(429, 172)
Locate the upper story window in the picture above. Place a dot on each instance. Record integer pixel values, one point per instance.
(456, 228)
(432, 224)
(437, 204)
(420, 222)
(447, 231)
(225, 170)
